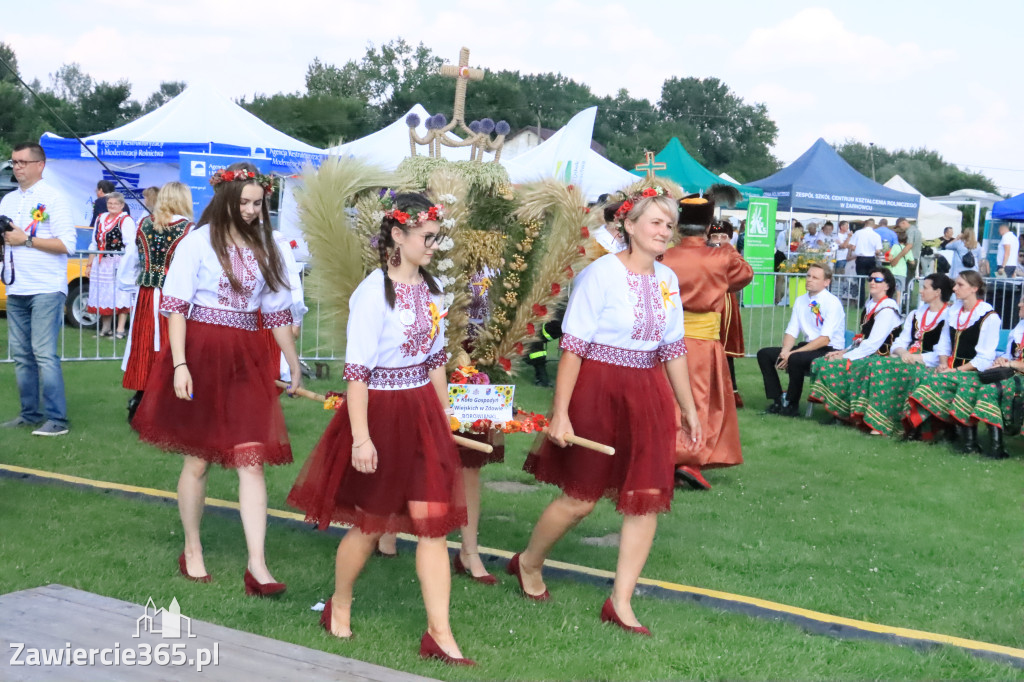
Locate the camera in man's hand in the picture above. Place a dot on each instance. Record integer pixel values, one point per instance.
(6, 224)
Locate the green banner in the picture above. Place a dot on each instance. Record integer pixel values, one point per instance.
(759, 250)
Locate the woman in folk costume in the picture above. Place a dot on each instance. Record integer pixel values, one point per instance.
(209, 394)
(144, 266)
(841, 376)
(387, 462)
(608, 237)
(731, 331)
(623, 321)
(967, 347)
(708, 275)
(112, 231)
(888, 380)
(1003, 402)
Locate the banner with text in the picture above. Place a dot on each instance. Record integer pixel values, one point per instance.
(759, 250)
(470, 402)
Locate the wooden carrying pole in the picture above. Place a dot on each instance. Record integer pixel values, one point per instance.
(590, 444)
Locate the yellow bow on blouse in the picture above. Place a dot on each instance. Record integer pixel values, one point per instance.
(484, 285)
(667, 295)
(435, 319)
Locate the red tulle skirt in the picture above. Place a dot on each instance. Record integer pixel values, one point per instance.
(631, 410)
(141, 355)
(234, 418)
(417, 487)
(473, 459)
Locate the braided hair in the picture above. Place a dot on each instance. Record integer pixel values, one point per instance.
(411, 203)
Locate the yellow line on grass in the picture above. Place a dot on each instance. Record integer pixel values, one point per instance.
(761, 604)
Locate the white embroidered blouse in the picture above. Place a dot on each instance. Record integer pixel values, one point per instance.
(197, 287)
(623, 318)
(393, 348)
(906, 340)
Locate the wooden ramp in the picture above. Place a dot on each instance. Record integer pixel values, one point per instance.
(46, 619)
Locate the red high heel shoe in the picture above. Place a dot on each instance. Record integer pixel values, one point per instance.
(513, 569)
(325, 621)
(459, 567)
(254, 588)
(184, 571)
(430, 649)
(608, 615)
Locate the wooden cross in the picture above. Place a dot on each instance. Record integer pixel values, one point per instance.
(462, 75)
(650, 165)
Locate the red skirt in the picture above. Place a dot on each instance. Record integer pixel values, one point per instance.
(473, 459)
(234, 418)
(142, 353)
(631, 410)
(417, 487)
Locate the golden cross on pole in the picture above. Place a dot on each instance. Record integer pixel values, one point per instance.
(462, 75)
(650, 165)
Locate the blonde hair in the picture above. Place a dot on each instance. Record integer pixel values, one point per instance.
(663, 201)
(968, 238)
(174, 198)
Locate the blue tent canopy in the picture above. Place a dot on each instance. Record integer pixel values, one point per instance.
(1009, 209)
(820, 181)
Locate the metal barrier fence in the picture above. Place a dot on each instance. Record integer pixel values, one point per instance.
(80, 340)
(764, 324)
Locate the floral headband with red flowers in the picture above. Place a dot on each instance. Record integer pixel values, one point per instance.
(631, 201)
(243, 175)
(387, 199)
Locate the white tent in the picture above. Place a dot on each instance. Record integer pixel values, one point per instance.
(566, 154)
(145, 151)
(932, 217)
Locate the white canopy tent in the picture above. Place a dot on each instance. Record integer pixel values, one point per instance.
(145, 152)
(932, 217)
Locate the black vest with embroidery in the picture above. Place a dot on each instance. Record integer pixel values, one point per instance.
(930, 338)
(865, 329)
(966, 340)
(114, 239)
(156, 250)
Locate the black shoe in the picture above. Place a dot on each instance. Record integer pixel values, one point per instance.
(996, 450)
(791, 410)
(133, 405)
(967, 439)
(540, 376)
(773, 408)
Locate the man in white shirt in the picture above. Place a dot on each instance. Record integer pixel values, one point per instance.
(819, 317)
(865, 247)
(841, 238)
(35, 272)
(1009, 249)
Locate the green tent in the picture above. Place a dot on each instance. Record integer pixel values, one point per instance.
(684, 169)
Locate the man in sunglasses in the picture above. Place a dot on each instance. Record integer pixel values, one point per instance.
(35, 274)
(818, 316)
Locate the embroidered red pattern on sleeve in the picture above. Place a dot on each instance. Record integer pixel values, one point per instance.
(672, 350)
(281, 318)
(436, 360)
(170, 304)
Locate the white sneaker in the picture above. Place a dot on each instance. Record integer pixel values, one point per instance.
(50, 428)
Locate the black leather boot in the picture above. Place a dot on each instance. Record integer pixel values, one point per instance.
(996, 450)
(968, 439)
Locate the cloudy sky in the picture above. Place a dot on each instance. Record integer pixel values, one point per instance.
(882, 72)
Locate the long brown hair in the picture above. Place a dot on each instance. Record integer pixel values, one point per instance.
(223, 212)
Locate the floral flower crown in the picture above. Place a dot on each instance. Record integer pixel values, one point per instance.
(387, 200)
(243, 175)
(631, 201)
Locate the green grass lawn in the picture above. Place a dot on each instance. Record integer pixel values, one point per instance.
(818, 517)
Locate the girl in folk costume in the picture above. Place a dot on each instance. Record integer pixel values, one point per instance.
(841, 376)
(1005, 398)
(112, 231)
(888, 380)
(387, 462)
(623, 320)
(967, 347)
(209, 393)
(608, 237)
(144, 266)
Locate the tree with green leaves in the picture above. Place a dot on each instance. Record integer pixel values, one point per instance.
(925, 169)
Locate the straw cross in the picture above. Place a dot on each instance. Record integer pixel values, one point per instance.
(650, 165)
